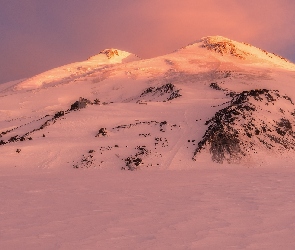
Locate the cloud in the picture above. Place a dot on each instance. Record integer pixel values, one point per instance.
(253, 21)
(59, 32)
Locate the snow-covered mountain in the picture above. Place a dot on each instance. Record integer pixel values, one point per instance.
(213, 101)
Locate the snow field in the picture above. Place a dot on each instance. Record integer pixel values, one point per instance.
(206, 208)
(61, 183)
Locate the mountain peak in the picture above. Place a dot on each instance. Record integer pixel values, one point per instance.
(216, 39)
(114, 55)
(74, 71)
(223, 46)
(110, 52)
(227, 49)
(215, 100)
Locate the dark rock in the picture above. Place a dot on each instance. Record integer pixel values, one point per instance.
(215, 86)
(101, 132)
(168, 91)
(59, 114)
(82, 103)
(224, 135)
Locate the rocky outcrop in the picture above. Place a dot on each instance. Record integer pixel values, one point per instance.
(166, 92)
(80, 104)
(102, 132)
(133, 162)
(223, 46)
(241, 128)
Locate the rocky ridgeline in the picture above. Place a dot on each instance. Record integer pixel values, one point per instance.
(49, 120)
(166, 92)
(242, 128)
(162, 125)
(223, 47)
(270, 55)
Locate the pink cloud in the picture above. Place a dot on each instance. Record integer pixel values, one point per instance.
(180, 22)
(64, 31)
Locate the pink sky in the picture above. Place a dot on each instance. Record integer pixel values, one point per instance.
(39, 35)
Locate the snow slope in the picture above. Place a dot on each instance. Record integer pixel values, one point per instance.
(75, 71)
(218, 114)
(154, 113)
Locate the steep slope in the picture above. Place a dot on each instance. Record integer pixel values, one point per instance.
(214, 101)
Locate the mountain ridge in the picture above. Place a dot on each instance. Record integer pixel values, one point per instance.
(215, 97)
(225, 46)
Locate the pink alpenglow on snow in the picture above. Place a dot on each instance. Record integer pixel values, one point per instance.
(189, 150)
(57, 33)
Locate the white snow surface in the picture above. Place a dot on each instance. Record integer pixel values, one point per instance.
(205, 208)
(61, 182)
